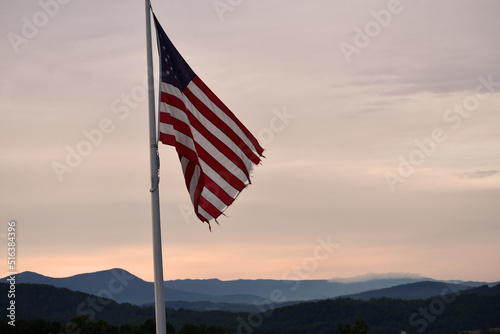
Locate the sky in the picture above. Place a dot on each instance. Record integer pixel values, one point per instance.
(379, 121)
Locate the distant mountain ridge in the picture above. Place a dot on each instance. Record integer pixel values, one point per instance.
(418, 290)
(123, 287)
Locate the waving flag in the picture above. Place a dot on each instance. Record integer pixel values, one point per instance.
(216, 151)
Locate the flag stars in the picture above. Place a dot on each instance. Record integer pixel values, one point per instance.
(170, 71)
(174, 70)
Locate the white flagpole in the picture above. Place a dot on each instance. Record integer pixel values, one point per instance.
(161, 326)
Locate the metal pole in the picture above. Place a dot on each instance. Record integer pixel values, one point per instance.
(161, 326)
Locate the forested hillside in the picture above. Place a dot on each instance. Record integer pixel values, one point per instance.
(440, 314)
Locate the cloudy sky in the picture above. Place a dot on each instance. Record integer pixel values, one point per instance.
(380, 122)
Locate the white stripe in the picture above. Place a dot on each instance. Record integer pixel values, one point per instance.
(205, 214)
(166, 128)
(184, 164)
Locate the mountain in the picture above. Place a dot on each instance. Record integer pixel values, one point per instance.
(418, 290)
(485, 290)
(116, 284)
(291, 290)
(123, 287)
(472, 284)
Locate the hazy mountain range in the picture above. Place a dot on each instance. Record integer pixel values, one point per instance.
(122, 286)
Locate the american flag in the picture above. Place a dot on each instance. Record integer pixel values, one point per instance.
(216, 151)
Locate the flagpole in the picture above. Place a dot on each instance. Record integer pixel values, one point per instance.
(155, 198)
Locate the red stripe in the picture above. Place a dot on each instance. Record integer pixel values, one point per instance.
(167, 139)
